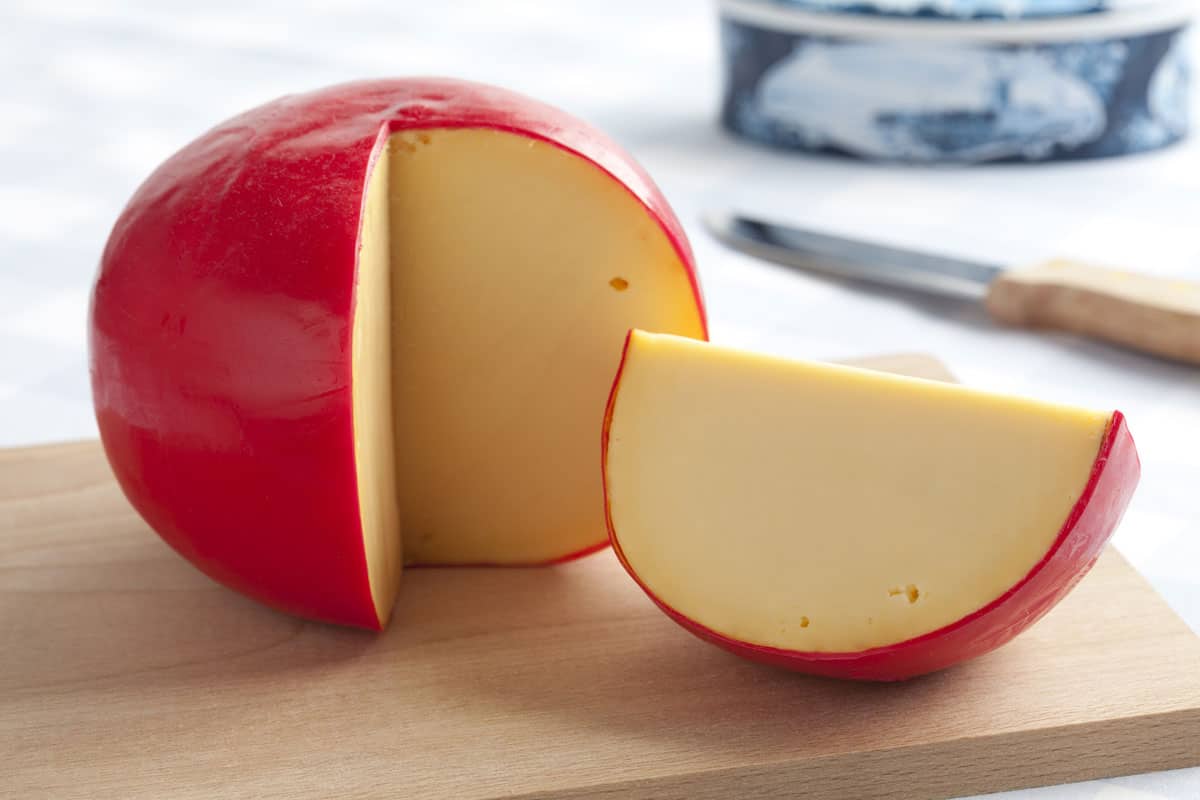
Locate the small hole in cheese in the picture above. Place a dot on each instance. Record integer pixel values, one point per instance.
(911, 592)
(618, 283)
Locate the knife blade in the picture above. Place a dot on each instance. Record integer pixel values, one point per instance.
(836, 256)
(1155, 315)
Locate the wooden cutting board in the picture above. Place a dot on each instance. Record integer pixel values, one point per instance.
(124, 673)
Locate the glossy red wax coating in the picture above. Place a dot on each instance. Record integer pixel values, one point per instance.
(1083, 536)
(221, 322)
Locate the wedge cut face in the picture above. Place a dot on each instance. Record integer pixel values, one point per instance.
(846, 522)
(372, 399)
(514, 270)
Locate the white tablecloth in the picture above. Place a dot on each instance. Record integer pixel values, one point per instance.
(94, 96)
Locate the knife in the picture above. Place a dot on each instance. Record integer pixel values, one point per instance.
(1151, 314)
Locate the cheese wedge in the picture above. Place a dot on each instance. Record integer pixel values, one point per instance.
(817, 508)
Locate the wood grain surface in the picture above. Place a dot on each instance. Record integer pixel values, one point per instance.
(124, 673)
(1143, 312)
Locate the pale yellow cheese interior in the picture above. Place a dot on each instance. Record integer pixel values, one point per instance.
(371, 390)
(821, 508)
(515, 270)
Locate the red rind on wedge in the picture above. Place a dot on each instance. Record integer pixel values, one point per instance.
(1091, 523)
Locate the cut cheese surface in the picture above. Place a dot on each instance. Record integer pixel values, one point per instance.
(371, 388)
(821, 508)
(515, 269)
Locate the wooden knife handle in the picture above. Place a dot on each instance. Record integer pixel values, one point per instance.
(1154, 315)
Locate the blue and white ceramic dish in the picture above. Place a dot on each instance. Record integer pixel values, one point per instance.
(1109, 80)
(962, 9)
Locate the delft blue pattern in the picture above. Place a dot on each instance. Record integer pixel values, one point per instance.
(955, 9)
(996, 102)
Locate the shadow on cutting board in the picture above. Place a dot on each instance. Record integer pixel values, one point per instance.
(97, 611)
(94, 597)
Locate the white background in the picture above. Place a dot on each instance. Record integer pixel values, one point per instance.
(94, 96)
